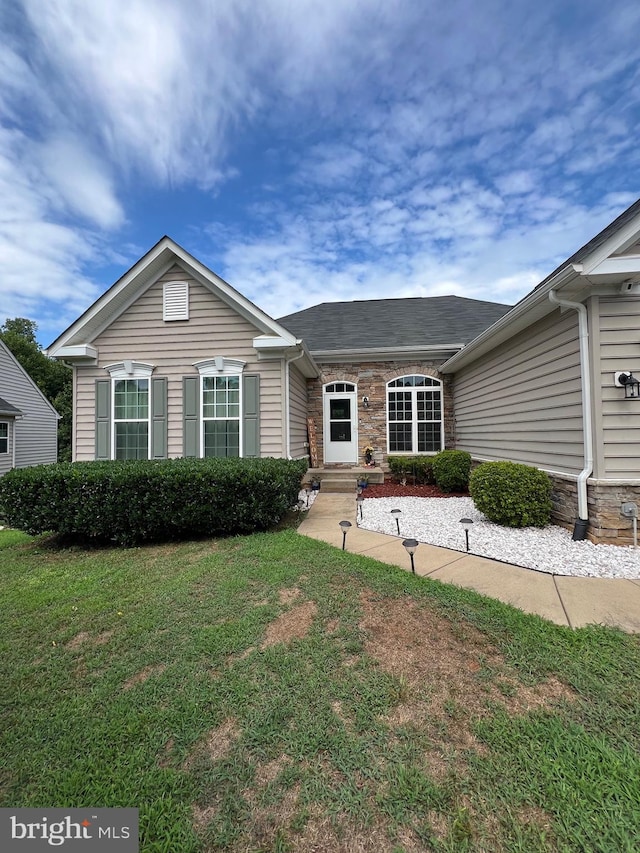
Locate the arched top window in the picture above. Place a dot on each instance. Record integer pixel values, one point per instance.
(340, 388)
(415, 381)
(415, 414)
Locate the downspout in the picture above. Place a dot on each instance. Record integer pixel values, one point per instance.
(582, 522)
(287, 387)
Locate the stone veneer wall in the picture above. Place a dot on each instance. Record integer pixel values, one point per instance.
(371, 380)
(607, 524)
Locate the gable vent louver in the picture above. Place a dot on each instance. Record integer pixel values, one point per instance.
(176, 301)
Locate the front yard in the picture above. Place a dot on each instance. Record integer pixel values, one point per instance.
(271, 693)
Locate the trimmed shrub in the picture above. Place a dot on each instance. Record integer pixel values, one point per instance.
(415, 468)
(142, 501)
(451, 470)
(512, 494)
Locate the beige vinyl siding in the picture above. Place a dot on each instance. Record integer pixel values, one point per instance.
(36, 432)
(214, 328)
(620, 418)
(298, 413)
(522, 401)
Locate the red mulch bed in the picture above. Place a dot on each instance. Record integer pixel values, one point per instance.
(395, 490)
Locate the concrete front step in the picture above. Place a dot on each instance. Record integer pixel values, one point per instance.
(342, 480)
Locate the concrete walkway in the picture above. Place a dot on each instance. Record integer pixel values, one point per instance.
(564, 600)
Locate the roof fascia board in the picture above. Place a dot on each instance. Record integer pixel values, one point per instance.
(623, 265)
(270, 349)
(625, 237)
(533, 307)
(387, 353)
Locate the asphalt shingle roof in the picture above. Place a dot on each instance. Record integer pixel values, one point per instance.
(377, 323)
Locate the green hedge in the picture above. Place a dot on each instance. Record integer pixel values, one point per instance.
(415, 468)
(142, 501)
(451, 470)
(512, 494)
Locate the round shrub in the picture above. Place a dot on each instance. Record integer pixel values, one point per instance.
(512, 494)
(451, 470)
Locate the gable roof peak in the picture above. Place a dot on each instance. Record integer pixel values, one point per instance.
(148, 269)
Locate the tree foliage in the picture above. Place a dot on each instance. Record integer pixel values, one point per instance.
(52, 377)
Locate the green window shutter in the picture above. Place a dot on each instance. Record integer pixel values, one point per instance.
(191, 415)
(158, 418)
(251, 415)
(103, 419)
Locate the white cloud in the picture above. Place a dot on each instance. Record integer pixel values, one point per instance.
(78, 182)
(377, 148)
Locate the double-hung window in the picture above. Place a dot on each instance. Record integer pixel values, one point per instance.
(126, 412)
(4, 437)
(221, 415)
(221, 406)
(131, 418)
(414, 412)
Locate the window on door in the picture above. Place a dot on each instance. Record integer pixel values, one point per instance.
(414, 414)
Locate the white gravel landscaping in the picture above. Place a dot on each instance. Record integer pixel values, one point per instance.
(436, 521)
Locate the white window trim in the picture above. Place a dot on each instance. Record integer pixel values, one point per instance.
(129, 370)
(414, 421)
(8, 438)
(221, 366)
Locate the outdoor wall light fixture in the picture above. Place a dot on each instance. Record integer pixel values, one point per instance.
(365, 402)
(396, 513)
(466, 526)
(411, 545)
(359, 502)
(631, 385)
(344, 526)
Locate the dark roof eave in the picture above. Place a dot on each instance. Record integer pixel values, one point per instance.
(388, 353)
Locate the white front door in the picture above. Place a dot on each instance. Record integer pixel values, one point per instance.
(340, 423)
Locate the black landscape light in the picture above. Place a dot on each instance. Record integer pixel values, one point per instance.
(411, 545)
(396, 513)
(359, 502)
(466, 526)
(344, 526)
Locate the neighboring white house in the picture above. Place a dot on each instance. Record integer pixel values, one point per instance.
(28, 421)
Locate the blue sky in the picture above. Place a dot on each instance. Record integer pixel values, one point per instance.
(310, 150)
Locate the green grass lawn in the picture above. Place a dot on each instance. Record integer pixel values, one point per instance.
(271, 693)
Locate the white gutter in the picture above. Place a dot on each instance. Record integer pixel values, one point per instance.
(13, 439)
(585, 378)
(287, 386)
